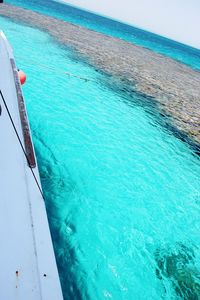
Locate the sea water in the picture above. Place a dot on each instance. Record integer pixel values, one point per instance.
(178, 51)
(122, 192)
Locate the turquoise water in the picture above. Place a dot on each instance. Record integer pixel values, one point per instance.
(180, 52)
(122, 193)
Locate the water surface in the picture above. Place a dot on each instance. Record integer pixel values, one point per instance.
(122, 193)
(175, 50)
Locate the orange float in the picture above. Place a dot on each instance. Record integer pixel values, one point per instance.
(22, 76)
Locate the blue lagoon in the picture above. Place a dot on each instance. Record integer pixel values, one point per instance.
(122, 191)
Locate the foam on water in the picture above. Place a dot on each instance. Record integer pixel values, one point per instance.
(180, 52)
(122, 193)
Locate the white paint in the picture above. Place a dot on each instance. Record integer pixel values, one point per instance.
(26, 246)
(175, 19)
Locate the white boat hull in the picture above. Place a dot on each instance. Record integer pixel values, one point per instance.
(28, 267)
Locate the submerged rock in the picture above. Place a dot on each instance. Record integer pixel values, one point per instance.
(174, 86)
(178, 266)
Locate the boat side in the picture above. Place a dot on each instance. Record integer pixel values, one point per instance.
(27, 260)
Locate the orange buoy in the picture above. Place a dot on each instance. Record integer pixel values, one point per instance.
(22, 76)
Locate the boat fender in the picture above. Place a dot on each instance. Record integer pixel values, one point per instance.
(22, 76)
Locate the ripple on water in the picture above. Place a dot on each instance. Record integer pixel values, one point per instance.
(122, 193)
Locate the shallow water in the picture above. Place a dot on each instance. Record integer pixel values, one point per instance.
(122, 193)
(180, 52)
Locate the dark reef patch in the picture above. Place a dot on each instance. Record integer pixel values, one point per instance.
(174, 86)
(177, 265)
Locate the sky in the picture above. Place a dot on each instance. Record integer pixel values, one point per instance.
(175, 19)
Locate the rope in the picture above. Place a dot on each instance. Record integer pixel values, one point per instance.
(34, 63)
(21, 144)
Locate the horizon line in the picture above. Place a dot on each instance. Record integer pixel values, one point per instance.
(126, 23)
